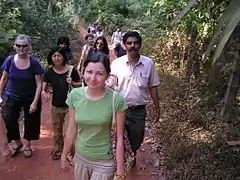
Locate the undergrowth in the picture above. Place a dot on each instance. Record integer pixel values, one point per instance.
(196, 141)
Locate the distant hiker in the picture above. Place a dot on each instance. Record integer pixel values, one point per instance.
(64, 42)
(136, 77)
(23, 76)
(90, 117)
(116, 37)
(99, 32)
(61, 77)
(119, 50)
(89, 29)
(86, 50)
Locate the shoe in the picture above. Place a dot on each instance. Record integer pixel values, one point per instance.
(16, 150)
(27, 153)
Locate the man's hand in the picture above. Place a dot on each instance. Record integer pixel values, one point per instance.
(111, 81)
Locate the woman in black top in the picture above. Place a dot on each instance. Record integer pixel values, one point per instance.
(57, 77)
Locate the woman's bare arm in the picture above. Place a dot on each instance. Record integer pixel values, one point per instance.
(120, 121)
(70, 134)
(3, 82)
(38, 79)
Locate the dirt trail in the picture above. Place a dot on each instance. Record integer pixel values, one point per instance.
(41, 167)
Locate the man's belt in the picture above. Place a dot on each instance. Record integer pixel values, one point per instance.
(137, 107)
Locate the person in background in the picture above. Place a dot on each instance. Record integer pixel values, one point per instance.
(135, 76)
(64, 42)
(89, 28)
(116, 37)
(23, 76)
(101, 45)
(90, 119)
(93, 32)
(119, 50)
(57, 77)
(86, 50)
(99, 32)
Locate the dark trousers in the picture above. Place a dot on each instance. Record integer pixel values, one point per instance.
(11, 112)
(135, 126)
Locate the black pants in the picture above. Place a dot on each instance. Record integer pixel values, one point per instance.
(135, 126)
(11, 112)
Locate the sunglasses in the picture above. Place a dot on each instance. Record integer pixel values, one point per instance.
(23, 46)
(101, 44)
(132, 42)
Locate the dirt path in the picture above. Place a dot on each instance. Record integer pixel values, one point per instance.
(41, 167)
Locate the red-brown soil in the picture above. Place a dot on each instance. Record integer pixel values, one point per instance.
(41, 167)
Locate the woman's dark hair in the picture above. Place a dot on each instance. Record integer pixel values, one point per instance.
(88, 36)
(132, 34)
(64, 40)
(98, 57)
(60, 50)
(105, 49)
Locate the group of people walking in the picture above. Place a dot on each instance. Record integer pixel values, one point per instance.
(86, 102)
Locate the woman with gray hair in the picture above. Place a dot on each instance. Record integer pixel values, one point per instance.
(22, 74)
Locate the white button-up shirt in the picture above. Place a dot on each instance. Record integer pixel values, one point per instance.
(135, 80)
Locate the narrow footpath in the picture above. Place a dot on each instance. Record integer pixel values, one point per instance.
(41, 167)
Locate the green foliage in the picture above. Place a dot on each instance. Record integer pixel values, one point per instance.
(43, 20)
(193, 135)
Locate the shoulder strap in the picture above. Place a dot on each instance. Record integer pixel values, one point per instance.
(70, 68)
(113, 106)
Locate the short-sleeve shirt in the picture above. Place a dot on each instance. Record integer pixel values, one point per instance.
(134, 80)
(21, 82)
(116, 37)
(94, 119)
(59, 85)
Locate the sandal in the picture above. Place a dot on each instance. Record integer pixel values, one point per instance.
(16, 150)
(27, 153)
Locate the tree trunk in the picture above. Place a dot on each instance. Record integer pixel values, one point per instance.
(193, 65)
(230, 95)
(233, 83)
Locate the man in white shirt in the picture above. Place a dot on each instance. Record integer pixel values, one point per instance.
(136, 77)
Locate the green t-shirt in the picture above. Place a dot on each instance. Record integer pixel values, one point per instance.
(94, 120)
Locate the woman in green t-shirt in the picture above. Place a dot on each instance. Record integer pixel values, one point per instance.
(90, 119)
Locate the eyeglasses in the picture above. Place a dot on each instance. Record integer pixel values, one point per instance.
(23, 46)
(132, 42)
